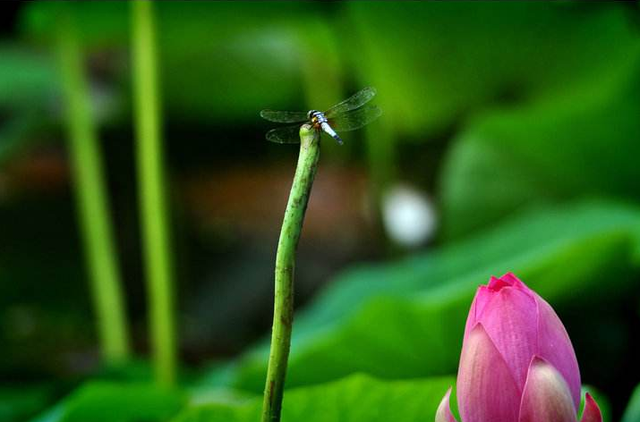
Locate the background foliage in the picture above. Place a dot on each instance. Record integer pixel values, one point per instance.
(517, 121)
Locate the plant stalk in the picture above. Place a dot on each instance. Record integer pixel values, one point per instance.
(284, 272)
(91, 197)
(151, 185)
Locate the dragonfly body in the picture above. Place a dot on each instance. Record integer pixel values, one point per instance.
(347, 115)
(320, 122)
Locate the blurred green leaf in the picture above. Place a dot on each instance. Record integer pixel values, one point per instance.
(412, 313)
(434, 62)
(353, 399)
(116, 402)
(221, 60)
(27, 78)
(227, 60)
(632, 414)
(20, 402)
(28, 90)
(548, 152)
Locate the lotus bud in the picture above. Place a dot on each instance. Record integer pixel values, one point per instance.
(517, 362)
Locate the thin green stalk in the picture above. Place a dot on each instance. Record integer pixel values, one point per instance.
(155, 233)
(284, 272)
(91, 197)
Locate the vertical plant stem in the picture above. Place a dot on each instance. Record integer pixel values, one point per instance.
(152, 185)
(91, 197)
(284, 272)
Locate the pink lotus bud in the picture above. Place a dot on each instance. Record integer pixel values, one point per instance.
(517, 362)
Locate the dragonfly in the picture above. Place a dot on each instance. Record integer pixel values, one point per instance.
(350, 114)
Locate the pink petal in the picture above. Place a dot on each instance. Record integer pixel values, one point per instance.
(483, 296)
(443, 414)
(486, 388)
(555, 347)
(511, 279)
(497, 283)
(546, 396)
(510, 321)
(591, 411)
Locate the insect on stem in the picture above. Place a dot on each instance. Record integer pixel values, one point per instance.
(347, 115)
(350, 114)
(284, 272)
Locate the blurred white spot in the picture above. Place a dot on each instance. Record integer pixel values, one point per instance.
(408, 215)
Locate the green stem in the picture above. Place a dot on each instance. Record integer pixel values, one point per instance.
(152, 194)
(91, 198)
(285, 264)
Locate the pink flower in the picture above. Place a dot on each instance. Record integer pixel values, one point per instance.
(517, 362)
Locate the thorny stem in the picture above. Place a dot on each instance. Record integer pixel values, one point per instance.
(284, 272)
(91, 197)
(152, 184)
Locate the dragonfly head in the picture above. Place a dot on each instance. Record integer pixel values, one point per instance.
(316, 118)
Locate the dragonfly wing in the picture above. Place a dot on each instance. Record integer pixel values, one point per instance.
(284, 135)
(284, 116)
(355, 119)
(356, 100)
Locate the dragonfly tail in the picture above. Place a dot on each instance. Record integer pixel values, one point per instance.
(329, 131)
